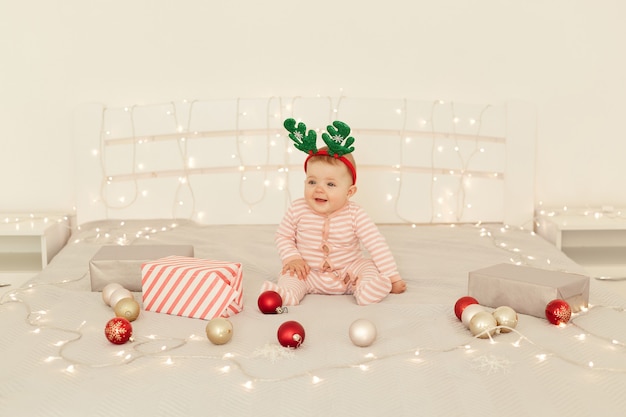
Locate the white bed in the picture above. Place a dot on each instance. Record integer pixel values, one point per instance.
(452, 190)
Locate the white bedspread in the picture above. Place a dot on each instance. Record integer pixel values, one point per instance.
(56, 360)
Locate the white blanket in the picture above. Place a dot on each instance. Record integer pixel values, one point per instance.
(56, 360)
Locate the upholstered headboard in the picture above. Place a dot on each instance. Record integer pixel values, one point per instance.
(230, 161)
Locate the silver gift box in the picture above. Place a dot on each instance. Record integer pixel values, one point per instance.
(122, 264)
(526, 289)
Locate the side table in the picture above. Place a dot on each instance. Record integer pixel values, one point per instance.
(29, 241)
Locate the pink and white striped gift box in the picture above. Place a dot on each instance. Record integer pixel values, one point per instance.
(192, 287)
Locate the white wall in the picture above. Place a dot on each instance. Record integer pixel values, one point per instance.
(565, 56)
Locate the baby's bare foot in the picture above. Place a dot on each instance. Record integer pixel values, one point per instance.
(398, 287)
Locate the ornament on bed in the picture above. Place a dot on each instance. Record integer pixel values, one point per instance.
(270, 302)
(461, 303)
(362, 332)
(506, 318)
(290, 334)
(481, 322)
(469, 312)
(118, 295)
(219, 330)
(558, 312)
(127, 308)
(118, 330)
(108, 290)
(483, 325)
(337, 139)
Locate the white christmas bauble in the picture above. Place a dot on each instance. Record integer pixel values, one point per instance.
(119, 294)
(483, 324)
(505, 316)
(469, 312)
(108, 290)
(362, 332)
(219, 330)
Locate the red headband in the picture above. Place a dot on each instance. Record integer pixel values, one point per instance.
(346, 161)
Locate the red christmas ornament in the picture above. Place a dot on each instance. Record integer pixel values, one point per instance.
(270, 302)
(558, 312)
(461, 303)
(118, 330)
(291, 334)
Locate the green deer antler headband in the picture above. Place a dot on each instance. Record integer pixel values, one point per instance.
(337, 138)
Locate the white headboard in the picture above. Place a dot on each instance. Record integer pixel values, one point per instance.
(230, 161)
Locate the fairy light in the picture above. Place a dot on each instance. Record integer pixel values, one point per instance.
(486, 363)
(234, 364)
(271, 137)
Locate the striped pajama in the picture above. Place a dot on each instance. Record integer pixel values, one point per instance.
(333, 247)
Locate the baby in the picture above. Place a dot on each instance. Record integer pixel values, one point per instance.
(321, 236)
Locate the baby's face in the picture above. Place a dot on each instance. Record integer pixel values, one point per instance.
(327, 187)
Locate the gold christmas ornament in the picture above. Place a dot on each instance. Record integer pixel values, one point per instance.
(483, 324)
(505, 316)
(219, 330)
(127, 308)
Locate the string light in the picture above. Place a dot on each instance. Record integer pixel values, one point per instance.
(169, 350)
(263, 139)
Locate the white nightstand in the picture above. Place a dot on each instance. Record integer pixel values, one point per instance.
(29, 241)
(595, 239)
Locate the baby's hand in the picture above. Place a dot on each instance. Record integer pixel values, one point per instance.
(398, 287)
(298, 267)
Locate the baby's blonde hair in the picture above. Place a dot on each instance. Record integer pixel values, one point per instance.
(329, 159)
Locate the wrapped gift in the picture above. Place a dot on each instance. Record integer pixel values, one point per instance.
(122, 264)
(526, 289)
(192, 287)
